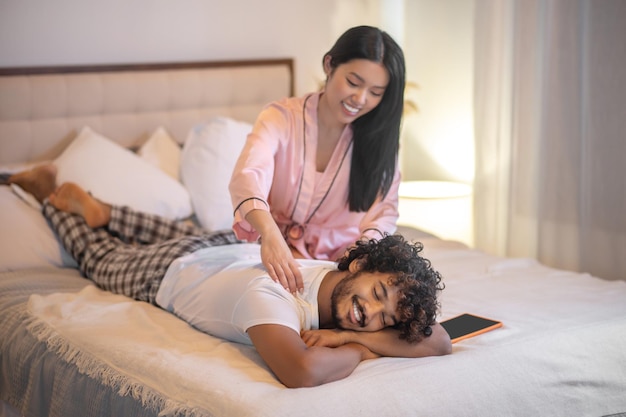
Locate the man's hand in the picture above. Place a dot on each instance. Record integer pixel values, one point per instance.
(323, 337)
(332, 339)
(384, 342)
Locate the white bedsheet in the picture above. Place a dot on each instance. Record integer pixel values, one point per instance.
(561, 351)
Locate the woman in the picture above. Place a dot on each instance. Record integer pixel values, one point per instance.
(319, 172)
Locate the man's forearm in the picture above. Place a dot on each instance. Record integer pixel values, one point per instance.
(297, 365)
(387, 343)
(331, 364)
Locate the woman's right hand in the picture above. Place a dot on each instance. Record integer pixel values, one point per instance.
(276, 255)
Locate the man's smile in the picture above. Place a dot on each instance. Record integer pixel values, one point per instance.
(357, 313)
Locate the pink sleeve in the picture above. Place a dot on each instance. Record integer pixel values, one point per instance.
(244, 230)
(253, 174)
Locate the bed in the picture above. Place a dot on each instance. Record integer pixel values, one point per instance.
(162, 138)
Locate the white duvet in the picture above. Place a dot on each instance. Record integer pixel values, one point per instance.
(561, 351)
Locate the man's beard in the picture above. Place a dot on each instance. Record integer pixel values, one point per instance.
(342, 290)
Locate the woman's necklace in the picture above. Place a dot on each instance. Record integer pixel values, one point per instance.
(296, 230)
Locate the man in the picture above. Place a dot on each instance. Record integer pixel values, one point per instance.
(380, 299)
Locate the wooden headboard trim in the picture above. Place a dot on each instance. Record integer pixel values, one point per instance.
(159, 66)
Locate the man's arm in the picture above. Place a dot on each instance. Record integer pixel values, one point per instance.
(384, 342)
(297, 365)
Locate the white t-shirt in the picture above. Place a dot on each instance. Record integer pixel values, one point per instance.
(225, 290)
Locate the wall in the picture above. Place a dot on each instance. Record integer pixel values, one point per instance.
(436, 36)
(439, 140)
(42, 32)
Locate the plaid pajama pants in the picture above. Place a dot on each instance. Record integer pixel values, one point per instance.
(131, 255)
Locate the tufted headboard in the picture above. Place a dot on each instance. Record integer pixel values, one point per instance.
(43, 108)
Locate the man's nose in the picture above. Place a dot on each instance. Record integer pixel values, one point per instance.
(374, 308)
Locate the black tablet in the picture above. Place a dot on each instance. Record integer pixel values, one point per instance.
(468, 325)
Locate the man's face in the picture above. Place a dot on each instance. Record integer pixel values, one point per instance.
(365, 302)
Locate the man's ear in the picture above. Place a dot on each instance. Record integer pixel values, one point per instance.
(356, 265)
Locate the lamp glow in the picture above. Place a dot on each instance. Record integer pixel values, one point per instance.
(442, 208)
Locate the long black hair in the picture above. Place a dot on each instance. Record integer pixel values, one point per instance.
(377, 133)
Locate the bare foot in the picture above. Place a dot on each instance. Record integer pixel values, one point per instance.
(40, 181)
(71, 198)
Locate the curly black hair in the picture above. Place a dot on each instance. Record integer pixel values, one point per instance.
(418, 283)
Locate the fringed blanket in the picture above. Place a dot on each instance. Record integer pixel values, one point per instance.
(142, 351)
(69, 349)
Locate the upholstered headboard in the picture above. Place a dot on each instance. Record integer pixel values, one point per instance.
(42, 109)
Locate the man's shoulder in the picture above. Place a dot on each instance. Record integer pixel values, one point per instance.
(233, 252)
(308, 263)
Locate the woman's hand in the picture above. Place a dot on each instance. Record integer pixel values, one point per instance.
(279, 261)
(276, 255)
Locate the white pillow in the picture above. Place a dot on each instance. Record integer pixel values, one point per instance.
(208, 158)
(163, 152)
(27, 241)
(116, 175)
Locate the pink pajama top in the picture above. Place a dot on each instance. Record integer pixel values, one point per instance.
(276, 172)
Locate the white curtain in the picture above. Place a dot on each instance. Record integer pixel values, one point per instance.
(550, 131)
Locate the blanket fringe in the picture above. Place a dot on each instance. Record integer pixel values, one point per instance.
(94, 368)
